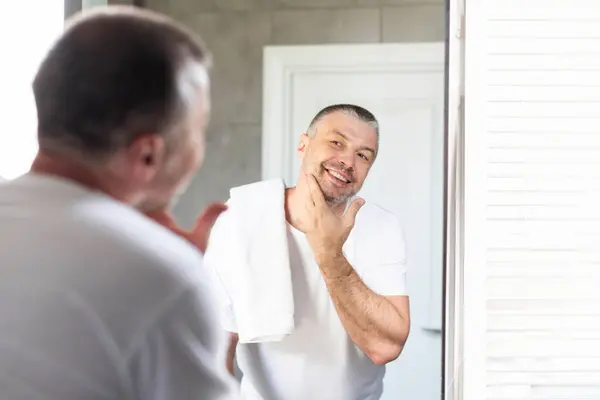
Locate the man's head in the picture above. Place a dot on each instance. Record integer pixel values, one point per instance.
(126, 92)
(339, 148)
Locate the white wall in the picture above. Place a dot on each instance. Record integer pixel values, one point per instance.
(532, 200)
(25, 37)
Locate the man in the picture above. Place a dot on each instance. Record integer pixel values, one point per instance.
(351, 313)
(97, 301)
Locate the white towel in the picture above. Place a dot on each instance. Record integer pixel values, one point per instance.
(248, 250)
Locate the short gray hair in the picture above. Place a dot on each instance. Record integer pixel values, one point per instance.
(116, 73)
(353, 110)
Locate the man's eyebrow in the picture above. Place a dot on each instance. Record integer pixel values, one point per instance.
(367, 148)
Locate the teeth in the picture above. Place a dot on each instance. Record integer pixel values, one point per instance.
(340, 177)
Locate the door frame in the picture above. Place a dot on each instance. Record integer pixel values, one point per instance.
(281, 64)
(454, 272)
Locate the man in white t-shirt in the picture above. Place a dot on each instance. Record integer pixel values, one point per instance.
(351, 307)
(97, 301)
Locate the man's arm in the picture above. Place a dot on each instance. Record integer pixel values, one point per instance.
(233, 341)
(379, 325)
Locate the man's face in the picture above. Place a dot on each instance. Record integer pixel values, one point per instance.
(159, 169)
(184, 156)
(339, 153)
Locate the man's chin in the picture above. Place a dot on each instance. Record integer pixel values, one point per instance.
(333, 195)
(159, 203)
(335, 199)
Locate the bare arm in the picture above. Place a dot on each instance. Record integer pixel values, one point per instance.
(233, 341)
(379, 325)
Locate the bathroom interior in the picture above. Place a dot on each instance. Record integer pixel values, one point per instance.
(276, 63)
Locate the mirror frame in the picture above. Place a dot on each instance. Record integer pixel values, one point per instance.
(453, 276)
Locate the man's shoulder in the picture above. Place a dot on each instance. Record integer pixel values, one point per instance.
(135, 235)
(373, 216)
(148, 266)
(110, 240)
(123, 266)
(377, 225)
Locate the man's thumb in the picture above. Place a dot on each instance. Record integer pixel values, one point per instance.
(350, 214)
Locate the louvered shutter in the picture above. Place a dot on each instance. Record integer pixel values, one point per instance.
(532, 204)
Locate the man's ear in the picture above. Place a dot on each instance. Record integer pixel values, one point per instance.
(304, 139)
(146, 155)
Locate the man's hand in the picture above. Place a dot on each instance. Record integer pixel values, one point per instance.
(199, 235)
(326, 231)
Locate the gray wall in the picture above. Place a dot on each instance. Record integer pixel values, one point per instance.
(237, 30)
(73, 6)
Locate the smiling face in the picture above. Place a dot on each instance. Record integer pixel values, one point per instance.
(339, 151)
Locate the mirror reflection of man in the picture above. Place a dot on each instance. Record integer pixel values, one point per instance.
(352, 312)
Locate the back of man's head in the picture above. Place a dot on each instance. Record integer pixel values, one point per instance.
(115, 74)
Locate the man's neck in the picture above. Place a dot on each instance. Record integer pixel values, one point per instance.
(46, 164)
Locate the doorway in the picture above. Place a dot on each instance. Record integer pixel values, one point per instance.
(403, 85)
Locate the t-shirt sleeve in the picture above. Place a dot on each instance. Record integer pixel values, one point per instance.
(384, 269)
(182, 356)
(221, 249)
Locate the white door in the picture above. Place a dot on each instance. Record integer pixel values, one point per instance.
(403, 85)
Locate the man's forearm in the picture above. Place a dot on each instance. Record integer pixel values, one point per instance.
(230, 360)
(372, 322)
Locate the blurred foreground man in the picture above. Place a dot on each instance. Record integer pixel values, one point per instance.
(97, 301)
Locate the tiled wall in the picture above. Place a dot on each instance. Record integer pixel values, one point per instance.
(237, 30)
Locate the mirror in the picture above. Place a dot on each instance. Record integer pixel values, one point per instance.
(276, 64)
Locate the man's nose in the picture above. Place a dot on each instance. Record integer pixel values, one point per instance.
(347, 160)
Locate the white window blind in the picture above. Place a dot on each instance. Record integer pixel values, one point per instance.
(532, 200)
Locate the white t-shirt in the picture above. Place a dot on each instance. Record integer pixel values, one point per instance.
(319, 361)
(99, 302)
